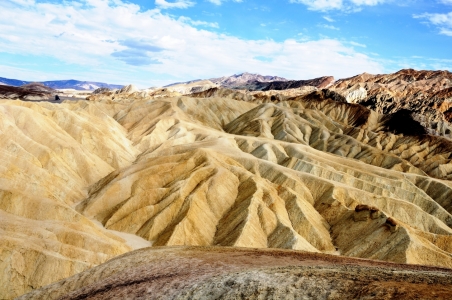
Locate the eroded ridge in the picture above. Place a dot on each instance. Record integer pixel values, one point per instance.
(85, 181)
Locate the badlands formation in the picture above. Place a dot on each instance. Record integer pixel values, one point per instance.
(304, 169)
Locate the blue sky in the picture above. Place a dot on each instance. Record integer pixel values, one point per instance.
(156, 42)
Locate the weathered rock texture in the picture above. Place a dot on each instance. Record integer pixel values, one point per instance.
(81, 182)
(28, 92)
(321, 82)
(37, 87)
(421, 96)
(427, 95)
(191, 87)
(50, 154)
(238, 273)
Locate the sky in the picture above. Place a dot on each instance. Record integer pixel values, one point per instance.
(157, 42)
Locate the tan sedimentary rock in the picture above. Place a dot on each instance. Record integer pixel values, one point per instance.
(191, 87)
(306, 174)
(50, 154)
(128, 89)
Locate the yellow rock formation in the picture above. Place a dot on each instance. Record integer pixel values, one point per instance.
(80, 179)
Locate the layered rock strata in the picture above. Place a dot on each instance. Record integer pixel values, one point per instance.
(427, 95)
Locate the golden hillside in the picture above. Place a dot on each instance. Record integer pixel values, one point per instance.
(83, 182)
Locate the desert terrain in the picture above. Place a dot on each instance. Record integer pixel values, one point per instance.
(245, 273)
(187, 186)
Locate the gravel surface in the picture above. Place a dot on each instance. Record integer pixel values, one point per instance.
(238, 273)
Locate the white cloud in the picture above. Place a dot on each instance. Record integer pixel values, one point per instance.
(357, 44)
(121, 43)
(176, 4)
(442, 21)
(322, 5)
(344, 5)
(446, 1)
(368, 2)
(198, 23)
(326, 26)
(22, 2)
(329, 19)
(219, 2)
(446, 31)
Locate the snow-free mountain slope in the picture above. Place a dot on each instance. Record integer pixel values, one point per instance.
(62, 84)
(427, 95)
(299, 169)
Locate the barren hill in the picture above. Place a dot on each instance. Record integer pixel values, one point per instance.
(243, 79)
(83, 182)
(239, 273)
(427, 95)
(29, 92)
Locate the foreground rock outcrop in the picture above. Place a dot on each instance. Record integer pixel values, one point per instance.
(238, 273)
(84, 181)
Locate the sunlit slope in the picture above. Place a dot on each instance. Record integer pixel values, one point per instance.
(222, 172)
(49, 155)
(320, 176)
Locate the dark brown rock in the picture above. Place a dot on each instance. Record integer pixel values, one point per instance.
(28, 92)
(422, 96)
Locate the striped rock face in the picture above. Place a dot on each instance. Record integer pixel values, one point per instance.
(83, 182)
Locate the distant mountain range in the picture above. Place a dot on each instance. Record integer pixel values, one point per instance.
(248, 81)
(244, 79)
(63, 84)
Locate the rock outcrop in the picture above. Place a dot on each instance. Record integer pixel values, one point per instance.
(128, 89)
(26, 93)
(101, 90)
(37, 87)
(321, 83)
(426, 95)
(191, 87)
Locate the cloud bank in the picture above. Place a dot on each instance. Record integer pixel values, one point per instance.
(442, 21)
(344, 5)
(120, 42)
